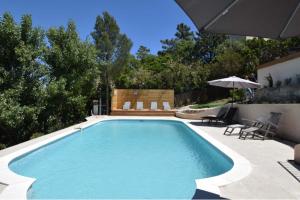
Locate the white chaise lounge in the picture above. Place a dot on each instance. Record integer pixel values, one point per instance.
(166, 105)
(139, 105)
(153, 105)
(126, 105)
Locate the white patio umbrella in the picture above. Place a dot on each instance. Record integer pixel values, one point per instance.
(234, 82)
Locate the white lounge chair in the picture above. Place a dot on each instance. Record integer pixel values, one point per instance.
(263, 129)
(153, 105)
(246, 124)
(139, 105)
(126, 105)
(166, 105)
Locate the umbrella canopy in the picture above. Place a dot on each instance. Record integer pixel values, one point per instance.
(234, 82)
(262, 18)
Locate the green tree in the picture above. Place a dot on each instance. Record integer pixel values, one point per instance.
(73, 77)
(181, 47)
(268, 50)
(113, 50)
(184, 32)
(233, 58)
(21, 78)
(142, 53)
(206, 45)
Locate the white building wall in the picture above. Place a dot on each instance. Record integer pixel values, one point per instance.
(280, 71)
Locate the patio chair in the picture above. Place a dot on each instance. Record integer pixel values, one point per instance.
(264, 129)
(272, 124)
(126, 105)
(166, 105)
(228, 117)
(153, 105)
(246, 123)
(139, 105)
(222, 112)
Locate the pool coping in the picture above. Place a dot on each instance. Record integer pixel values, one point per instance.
(18, 185)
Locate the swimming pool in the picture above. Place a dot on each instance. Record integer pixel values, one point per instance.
(123, 159)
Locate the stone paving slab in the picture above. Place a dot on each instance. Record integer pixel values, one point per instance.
(268, 179)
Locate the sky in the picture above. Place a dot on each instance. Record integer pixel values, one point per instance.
(145, 22)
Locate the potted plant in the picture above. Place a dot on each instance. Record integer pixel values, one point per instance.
(278, 84)
(298, 78)
(288, 81)
(270, 80)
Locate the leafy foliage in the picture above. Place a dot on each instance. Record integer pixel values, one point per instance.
(206, 45)
(268, 50)
(42, 88)
(113, 50)
(21, 79)
(73, 74)
(142, 53)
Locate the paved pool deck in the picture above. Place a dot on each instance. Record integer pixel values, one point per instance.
(267, 180)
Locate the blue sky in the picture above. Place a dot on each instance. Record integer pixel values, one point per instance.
(145, 22)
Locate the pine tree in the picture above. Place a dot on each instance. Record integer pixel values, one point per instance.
(113, 50)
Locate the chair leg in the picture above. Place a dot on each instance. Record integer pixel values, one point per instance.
(240, 132)
(266, 134)
(232, 129)
(246, 135)
(226, 130)
(258, 135)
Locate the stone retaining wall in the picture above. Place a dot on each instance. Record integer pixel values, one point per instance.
(197, 113)
(286, 94)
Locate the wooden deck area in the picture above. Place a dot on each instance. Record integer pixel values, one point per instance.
(145, 112)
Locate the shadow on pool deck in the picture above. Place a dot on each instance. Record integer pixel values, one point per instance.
(291, 167)
(201, 194)
(200, 123)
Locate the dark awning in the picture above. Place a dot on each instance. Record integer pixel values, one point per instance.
(262, 18)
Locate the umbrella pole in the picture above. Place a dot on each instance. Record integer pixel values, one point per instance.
(232, 96)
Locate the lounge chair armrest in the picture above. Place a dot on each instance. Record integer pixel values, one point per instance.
(272, 124)
(248, 121)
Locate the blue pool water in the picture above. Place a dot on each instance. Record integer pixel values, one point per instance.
(123, 159)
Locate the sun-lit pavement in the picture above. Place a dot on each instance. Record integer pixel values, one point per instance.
(268, 179)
